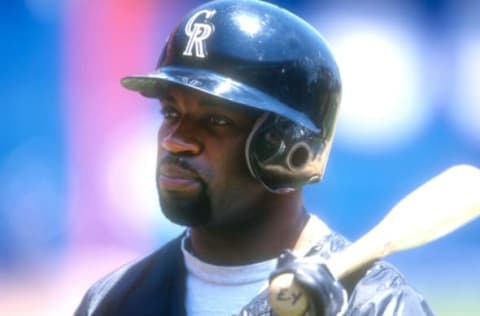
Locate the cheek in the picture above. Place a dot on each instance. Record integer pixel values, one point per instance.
(160, 136)
(162, 132)
(231, 152)
(230, 163)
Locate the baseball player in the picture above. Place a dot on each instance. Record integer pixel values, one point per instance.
(249, 94)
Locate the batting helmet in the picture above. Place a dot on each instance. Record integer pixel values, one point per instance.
(258, 55)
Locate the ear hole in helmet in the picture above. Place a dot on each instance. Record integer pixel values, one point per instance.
(299, 156)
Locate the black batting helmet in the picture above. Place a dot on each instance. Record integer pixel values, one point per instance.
(258, 55)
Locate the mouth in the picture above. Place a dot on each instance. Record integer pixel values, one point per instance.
(172, 177)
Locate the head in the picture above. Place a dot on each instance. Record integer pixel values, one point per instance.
(268, 69)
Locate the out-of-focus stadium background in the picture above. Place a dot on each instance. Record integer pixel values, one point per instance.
(77, 152)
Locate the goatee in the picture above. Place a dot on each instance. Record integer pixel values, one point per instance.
(184, 209)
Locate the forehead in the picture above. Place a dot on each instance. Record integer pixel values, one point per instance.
(191, 98)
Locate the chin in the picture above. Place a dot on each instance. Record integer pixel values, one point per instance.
(181, 209)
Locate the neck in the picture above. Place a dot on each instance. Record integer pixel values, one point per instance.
(276, 226)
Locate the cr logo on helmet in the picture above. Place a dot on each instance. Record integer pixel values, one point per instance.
(198, 33)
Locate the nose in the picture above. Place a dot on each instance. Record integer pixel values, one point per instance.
(182, 141)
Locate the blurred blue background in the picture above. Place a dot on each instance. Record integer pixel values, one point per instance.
(77, 152)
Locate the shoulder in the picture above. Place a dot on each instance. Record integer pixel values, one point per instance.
(383, 290)
(117, 282)
(378, 289)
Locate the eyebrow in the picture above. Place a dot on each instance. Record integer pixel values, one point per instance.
(211, 102)
(223, 105)
(205, 103)
(167, 97)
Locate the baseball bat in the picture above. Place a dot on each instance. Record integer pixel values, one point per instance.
(436, 208)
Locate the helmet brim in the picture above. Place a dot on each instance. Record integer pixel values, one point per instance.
(153, 84)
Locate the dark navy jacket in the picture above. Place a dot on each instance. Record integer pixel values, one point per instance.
(153, 286)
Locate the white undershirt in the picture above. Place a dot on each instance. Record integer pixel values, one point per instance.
(224, 290)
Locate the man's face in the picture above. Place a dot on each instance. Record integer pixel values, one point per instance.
(202, 176)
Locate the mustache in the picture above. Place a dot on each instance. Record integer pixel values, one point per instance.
(182, 162)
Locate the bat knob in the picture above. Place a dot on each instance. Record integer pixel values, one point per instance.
(286, 297)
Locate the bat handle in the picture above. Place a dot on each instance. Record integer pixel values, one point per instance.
(286, 296)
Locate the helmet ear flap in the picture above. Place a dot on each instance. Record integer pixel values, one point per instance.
(283, 155)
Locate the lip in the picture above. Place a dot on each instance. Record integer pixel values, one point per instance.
(174, 178)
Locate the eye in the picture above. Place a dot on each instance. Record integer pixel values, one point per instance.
(219, 120)
(169, 113)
